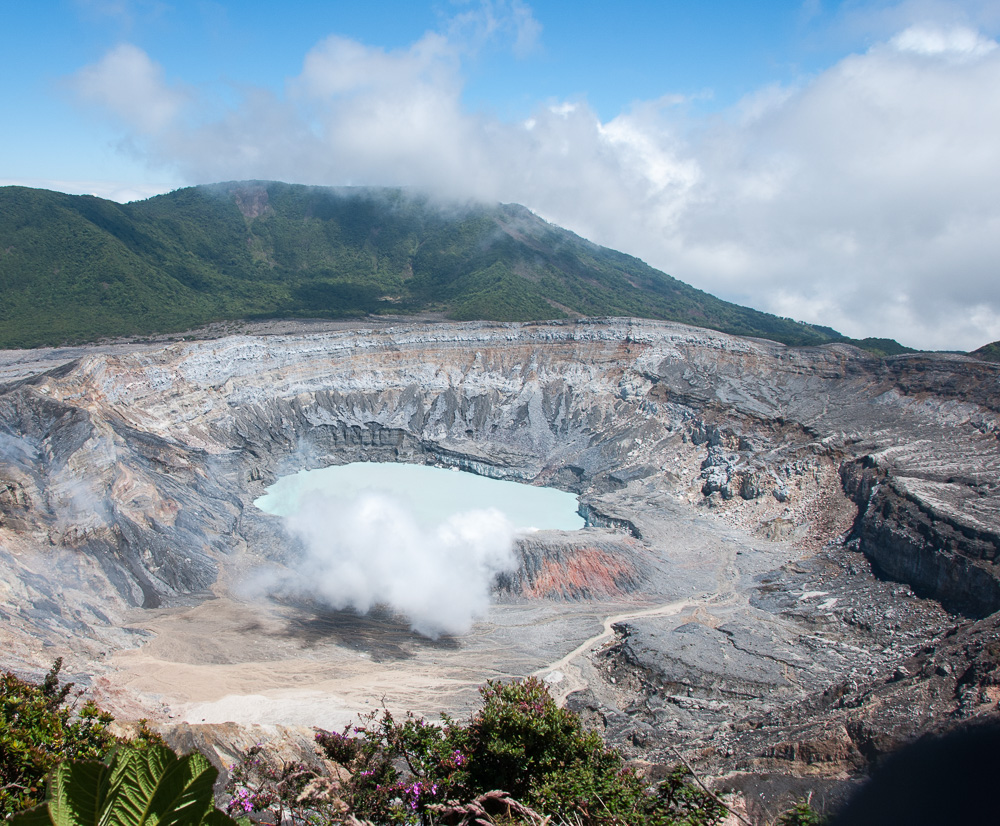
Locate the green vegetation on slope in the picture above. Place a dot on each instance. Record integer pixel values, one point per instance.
(519, 743)
(78, 268)
(39, 728)
(988, 352)
(883, 346)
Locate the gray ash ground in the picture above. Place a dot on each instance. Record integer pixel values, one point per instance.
(799, 690)
(694, 680)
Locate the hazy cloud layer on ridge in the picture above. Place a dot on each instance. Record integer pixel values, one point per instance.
(864, 198)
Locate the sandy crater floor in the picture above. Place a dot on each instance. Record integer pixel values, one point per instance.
(265, 663)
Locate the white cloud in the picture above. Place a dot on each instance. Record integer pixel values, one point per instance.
(128, 84)
(868, 194)
(340, 66)
(491, 20)
(865, 198)
(959, 42)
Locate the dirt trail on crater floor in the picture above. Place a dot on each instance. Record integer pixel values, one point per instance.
(564, 678)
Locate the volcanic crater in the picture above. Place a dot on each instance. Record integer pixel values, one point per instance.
(789, 565)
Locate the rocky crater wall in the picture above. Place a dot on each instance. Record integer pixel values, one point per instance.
(954, 560)
(146, 461)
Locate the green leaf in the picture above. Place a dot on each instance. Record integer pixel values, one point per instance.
(35, 816)
(77, 793)
(134, 780)
(154, 787)
(185, 793)
(148, 786)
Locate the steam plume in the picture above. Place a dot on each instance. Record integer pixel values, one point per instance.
(371, 550)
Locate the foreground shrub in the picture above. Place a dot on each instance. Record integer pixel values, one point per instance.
(39, 727)
(274, 791)
(520, 742)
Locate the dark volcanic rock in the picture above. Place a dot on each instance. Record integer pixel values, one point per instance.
(938, 552)
(703, 662)
(952, 678)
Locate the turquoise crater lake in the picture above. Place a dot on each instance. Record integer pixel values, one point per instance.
(431, 494)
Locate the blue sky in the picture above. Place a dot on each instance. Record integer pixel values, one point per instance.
(608, 54)
(831, 162)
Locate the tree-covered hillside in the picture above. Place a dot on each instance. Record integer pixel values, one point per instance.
(988, 352)
(79, 268)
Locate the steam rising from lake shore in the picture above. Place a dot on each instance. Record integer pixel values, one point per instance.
(371, 550)
(423, 541)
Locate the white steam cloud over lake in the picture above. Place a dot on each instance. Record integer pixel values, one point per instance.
(371, 550)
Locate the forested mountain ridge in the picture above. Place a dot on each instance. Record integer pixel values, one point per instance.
(988, 352)
(79, 268)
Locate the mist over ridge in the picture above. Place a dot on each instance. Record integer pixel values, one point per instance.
(77, 268)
